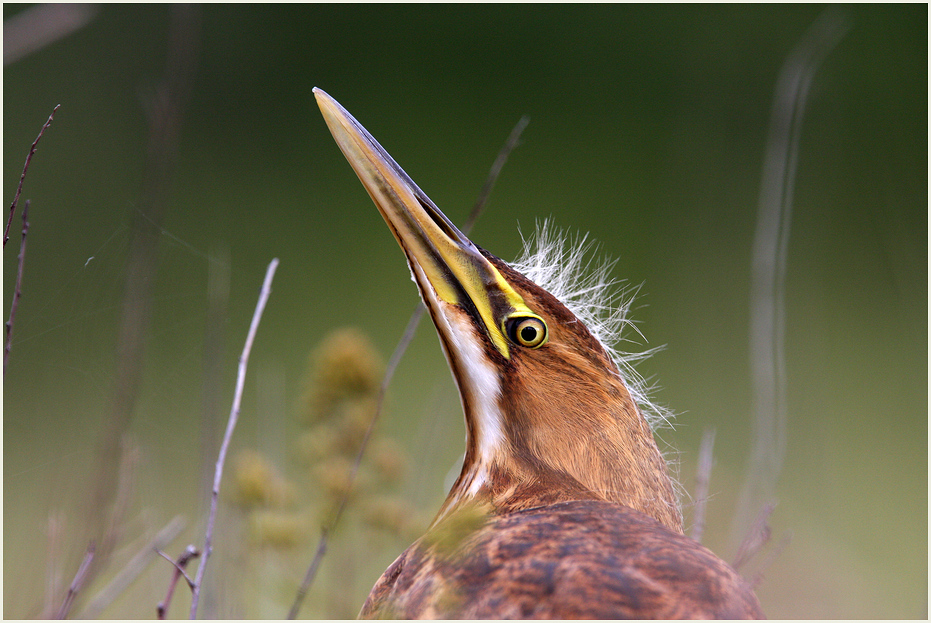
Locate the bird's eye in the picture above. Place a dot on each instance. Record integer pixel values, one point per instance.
(529, 331)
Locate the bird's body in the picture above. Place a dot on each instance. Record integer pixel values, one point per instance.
(564, 507)
(571, 560)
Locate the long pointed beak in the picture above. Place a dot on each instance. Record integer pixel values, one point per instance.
(436, 250)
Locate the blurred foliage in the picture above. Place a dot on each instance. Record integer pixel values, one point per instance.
(285, 517)
(648, 128)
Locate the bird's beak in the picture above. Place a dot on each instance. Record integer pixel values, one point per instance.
(440, 256)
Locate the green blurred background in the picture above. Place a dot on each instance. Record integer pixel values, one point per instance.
(648, 129)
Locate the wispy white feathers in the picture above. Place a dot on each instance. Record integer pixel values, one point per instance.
(568, 267)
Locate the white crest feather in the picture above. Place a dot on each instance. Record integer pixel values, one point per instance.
(568, 267)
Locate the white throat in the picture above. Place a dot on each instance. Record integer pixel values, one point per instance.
(481, 387)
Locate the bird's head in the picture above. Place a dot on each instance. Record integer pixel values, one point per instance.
(548, 415)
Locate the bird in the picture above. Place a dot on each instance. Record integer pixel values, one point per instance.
(564, 507)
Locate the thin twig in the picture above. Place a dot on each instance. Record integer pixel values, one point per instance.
(189, 552)
(115, 525)
(509, 145)
(396, 356)
(230, 426)
(22, 177)
(132, 569)
(18, 290)
(310, 575)
(77, 582)
(702, 480)
(338, 513)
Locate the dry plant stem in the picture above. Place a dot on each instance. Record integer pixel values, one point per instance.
(386, 380)
(164, 113)
(77, 582)
(18, 291)
(309, 576)
(189, 552)
(113, 529)
(56, 524)
(133, 568)
(509, 145)
(702, 480)
(114, 526)
(22, 177)
(769, 261)
(230, 426)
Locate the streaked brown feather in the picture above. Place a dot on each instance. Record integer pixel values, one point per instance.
(572, 560)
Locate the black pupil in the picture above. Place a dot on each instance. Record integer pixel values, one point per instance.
(528, 333)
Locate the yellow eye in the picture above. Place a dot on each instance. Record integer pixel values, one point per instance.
(529, 331)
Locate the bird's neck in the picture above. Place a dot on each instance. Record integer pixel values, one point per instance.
(587, 451)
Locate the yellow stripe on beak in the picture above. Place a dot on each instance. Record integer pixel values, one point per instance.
(453, 265)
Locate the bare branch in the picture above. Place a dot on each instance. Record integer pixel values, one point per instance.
(189, 552)
(230, 426)
(18, 290)
(311, 573)
(495, 172)
(133, 568)
(77, 582)
(702, 479)
(22, 177)
(396, 356)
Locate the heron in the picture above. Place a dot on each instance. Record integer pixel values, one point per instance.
(564, 507)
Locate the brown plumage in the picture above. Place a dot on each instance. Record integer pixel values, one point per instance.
(572, 430)
(572, 560)
(563, 507)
